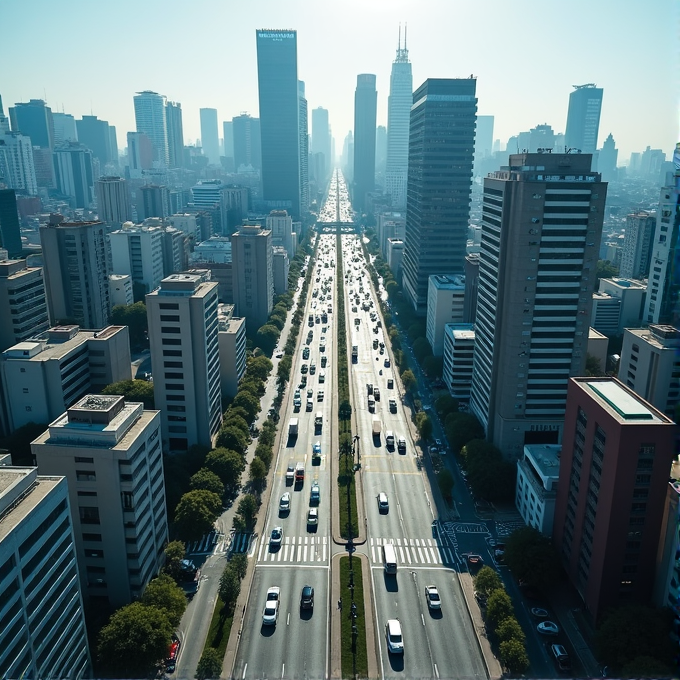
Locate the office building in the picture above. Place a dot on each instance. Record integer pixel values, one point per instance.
(650, 365)
(583, 118)
(64, 128)
(109, 450)
(667, 580)
(391, 225)
(150, 120)
(120, 290)
(365, 112)
(153, 201)
(232, 342)
(175, 133)
(140, 154)
(188, 224)
(471, 287)
(175, 251)
(246, 152)
(380, 155)
(395, 255)
(280, 223)
(75, 177)
(43, 621)
(304, 148)
(279, 119)
(398, 119)
(76, 272)
(538, 474)
(661, 304)
(22, 302)
(618, 304)
(210, 139)
(4, 120)
(607, 158)
(598, 346)
(484, 138)
(459, 345)
(113, 200)
(441, 149)
(253, 274)
(215, 249)
(445, 297)
(46, 374)
(95, 135)
(34, 119)
(616, 457)
(321, 144)
(183, 331)
(280, 268)
(541, 227)
(229, 202)
(637, 245)
(137, 250)
(228, 132)
(17, 166)
(10, 230)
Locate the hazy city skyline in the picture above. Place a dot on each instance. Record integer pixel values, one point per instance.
(506, 47)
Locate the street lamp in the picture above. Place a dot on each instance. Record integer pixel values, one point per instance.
(349, 471)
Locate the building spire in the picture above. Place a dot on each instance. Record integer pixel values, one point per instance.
(405, 29)
(402, 52)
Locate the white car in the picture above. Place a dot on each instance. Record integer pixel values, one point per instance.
(395, 640)
(547, 628)
(284, 503)
(276, 537)
(271, 607)
(313, 517)
(432, 597)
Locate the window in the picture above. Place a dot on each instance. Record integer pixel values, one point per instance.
(170, 317)
(171, 341)
(128, 500)
(81, 459)
(87, 494)
(95, 538)
(174, 376)
(94, 553)
(173, 364)
(25, 390)
(172, 352)
(86, 476)
(89, 515)
(171, 329)
(167, 305)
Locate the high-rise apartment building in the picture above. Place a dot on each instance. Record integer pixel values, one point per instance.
(279, 119)
(65, 129)
(150, 119)
(210, 138)
(17, 166)
(637, 245)
(459, 345)
(541, 226)
(153, 201)
(110, 452)
(75, 178)
(583, 118)
(380, 154)
(365, 112)
(138, 250)
(113, 200)
(34, 119)
(10, 230)
(398, 120)
(304, 148)
(321, 142)
(445, 297)
(280, 269)
(175, 132)
(140, 154)
(185, 359)
(22, 302)
(280, 223)
(663, 288)
(484, 137)
(616, 458)
(253, 274)
(246, 142)
(232, 341)
(229, 202)
(76, 272)
(95, 135)
(441, 150)
(41, 604)
(607, 157)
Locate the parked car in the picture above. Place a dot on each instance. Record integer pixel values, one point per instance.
(548, 628)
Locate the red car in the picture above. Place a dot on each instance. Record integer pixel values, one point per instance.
(171, 661)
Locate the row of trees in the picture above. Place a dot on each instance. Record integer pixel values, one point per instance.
(501, 621)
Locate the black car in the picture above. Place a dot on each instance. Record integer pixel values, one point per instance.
(307, 598)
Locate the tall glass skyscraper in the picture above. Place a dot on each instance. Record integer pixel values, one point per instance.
(173, 123)
(279, 125)
(398, 115)
(365, 112)
(150, 119)
(304, 148)
(210, 139)
(583, 118)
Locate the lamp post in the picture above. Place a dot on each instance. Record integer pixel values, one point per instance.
(349, 471)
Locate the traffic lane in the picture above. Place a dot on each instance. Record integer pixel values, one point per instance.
(296, 646)
(382, 524)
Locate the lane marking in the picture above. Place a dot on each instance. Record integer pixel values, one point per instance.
(245, 668)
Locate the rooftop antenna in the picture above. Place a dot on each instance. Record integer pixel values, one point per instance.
(399, 44)
(405, 30)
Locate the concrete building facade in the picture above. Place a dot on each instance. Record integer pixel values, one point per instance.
(280, 268)
(120, 290)
(395, 255)
(365, 112)
(637, 245)
(459, 345)
(137, 250)
(445, 297)
(113, 200)
(232, 342)
(617, 304)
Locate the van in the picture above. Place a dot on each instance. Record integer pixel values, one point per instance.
(389, 555)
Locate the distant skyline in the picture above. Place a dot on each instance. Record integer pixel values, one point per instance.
(85, 57)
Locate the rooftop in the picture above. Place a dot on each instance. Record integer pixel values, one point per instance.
(448, 281)
(659, 337)
(545, 458)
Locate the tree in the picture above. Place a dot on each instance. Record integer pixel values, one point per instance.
(514, 656)
(276, 320)
(648, 667)
(284, 368)
(247, 508)
(267, 337)
(462, 428)
(489, 474)
(445, 481)
(164, 593)
(605, 270)
(267, 435)
(424, 425)
(416, 330)
(264, 453)
(446, 404)
(421, 349)
(233, 419)
(210, 664)
(486, 581)
(409, 380)
(532, 558)
(498, 607)
(239, 563)
(134, 640)
(174, 554)
(230, 586)
(260, 367)
(392, 288)
(232, 438)
(227, 465)
(19, 443)
(134, 317)
(208, 480)
(196, 513)
(593, 366)
(252, 385)
(345, 410)
(249, 402)
(509, 629)
(433, 366)
(133, 390)
(258, 472)
(234, 411)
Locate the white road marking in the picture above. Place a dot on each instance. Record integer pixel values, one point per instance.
(401, 554)
(259, 557)
(420, 552)
(245, 668)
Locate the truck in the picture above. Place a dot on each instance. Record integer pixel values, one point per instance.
(293, 427)
(377, 426)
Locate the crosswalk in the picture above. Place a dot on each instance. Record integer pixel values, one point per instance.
(414, 551)
(295, 549)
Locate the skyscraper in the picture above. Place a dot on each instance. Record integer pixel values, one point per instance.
(380, 153)
(228, 131)
(64, 128)
(304, 148)
(365, 112)
(10, 230)
(441, 149)
(484, 137)
(94, 134)
(607, 158)
(583, 118)
(140, 153)
(34, 119)
(541, 226)
(210, 139)
(279, 124)
(637, 245)
(173, 124)
(398, 120)
(321, 141)
(150, 119)
(75, 179)
(113, 201)
(245, 146)
(17, 167)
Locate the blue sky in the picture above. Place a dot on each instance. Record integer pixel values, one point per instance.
(92, 56)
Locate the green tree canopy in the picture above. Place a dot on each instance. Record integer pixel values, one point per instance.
(509, 629)
(498, 608)
(446, 404)
(134, 317)
(605, 270)
(239, 563)
(409, 380)
(174, 554)
(267, 337)
(424, 425)
(232, 438)
(487, 580)
(462, 428)
(228, 465)
(208, 480)
(284, 368)
(531, 557)
(265, 454)
(247, 509)
(514, 656)
(164, 593)
(445, 482)
(196, 513)
(277, 319)
(209, 665)
(133, 390)
(258, 472)
(416, 330)
(490, 475)
(345, 410)
(134, 640)
(593, 366)
(230, 586)
(249, 402)
(233, 419)
(433, 366)
(421, 349)
(251, 385)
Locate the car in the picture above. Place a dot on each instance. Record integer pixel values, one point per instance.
(276, 537)
(438, 443)
(310, 405)
(307, 598)
(387, 363)
(315, 494)
(279, 355)
(559, 653)
(393, 405)
(322, 378)
(290, 473)
(297, 394)
(312, 517)
(270, 613)
(316, 448)
(284, 503)
(310, 393)
(539, 612)
(171, 661)
(548, 628)
(475, 560)
(383, 503)
(395, 640)
(432, 597)
(319, 395)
